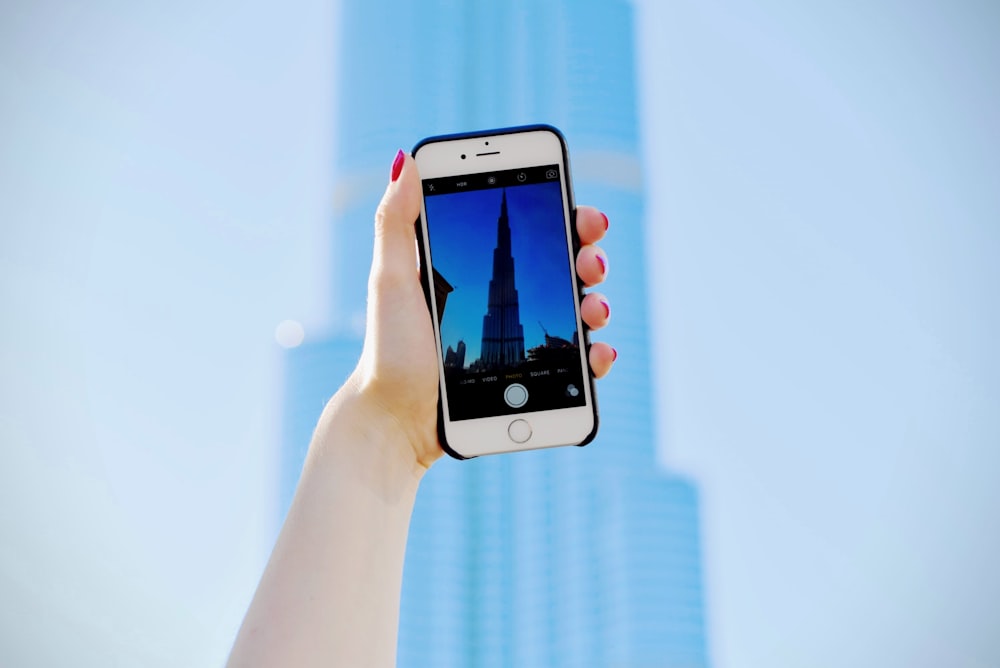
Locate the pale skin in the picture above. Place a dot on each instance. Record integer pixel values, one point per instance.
(330, 593)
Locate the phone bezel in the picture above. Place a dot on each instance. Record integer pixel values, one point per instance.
(495, 150)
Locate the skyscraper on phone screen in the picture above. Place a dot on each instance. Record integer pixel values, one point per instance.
(503, 333)
(565, 557)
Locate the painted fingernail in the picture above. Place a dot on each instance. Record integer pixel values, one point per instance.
(397, 164)
(604, 263)
(605, 221)
(614, 354)
(607, 309)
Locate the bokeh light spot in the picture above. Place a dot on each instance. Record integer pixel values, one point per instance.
(289, 333)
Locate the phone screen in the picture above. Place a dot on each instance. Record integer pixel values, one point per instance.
(504, 285)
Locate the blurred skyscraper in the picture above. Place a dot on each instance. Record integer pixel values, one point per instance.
(566, 557)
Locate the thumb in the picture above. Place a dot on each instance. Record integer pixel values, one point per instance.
(395, 255)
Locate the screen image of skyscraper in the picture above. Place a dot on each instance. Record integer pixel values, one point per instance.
(503, 333)
(566, 557)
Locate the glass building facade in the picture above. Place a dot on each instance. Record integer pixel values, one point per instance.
(567, 557)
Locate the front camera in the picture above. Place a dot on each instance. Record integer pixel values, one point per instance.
(463, 156)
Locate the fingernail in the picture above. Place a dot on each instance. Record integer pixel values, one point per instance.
(614, 354)
(604, 263)
(607, 309)
(397, 164)
(605, 221)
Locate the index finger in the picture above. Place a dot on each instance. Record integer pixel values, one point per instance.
(591, 224)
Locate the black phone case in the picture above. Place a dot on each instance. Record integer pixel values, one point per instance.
(425, 276)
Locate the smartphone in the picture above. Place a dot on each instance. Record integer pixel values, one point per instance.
(497, 242)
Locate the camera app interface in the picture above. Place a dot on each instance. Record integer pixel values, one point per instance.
(503, 279)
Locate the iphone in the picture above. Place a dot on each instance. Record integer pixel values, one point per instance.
(498, 243)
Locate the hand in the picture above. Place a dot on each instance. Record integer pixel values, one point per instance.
(397, 374)
(330, 592)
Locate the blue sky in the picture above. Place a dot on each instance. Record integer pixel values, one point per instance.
(823, 238)
(463, 231)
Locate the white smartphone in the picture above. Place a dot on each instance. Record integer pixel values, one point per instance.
(497, 241)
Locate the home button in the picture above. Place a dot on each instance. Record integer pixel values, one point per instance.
(519, 431)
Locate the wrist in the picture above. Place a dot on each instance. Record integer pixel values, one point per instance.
(359, 437)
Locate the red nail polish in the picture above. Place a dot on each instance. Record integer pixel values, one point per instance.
(604, 263)
(397, 164)
(605, 221)
(607, 309)
(614, 354)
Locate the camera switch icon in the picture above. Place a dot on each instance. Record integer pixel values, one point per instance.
(551, 174)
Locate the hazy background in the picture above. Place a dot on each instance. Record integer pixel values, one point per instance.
(824, 231)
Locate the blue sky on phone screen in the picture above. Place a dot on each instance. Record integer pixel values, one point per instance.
(463, 234)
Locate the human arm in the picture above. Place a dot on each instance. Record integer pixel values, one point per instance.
(330, 592)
